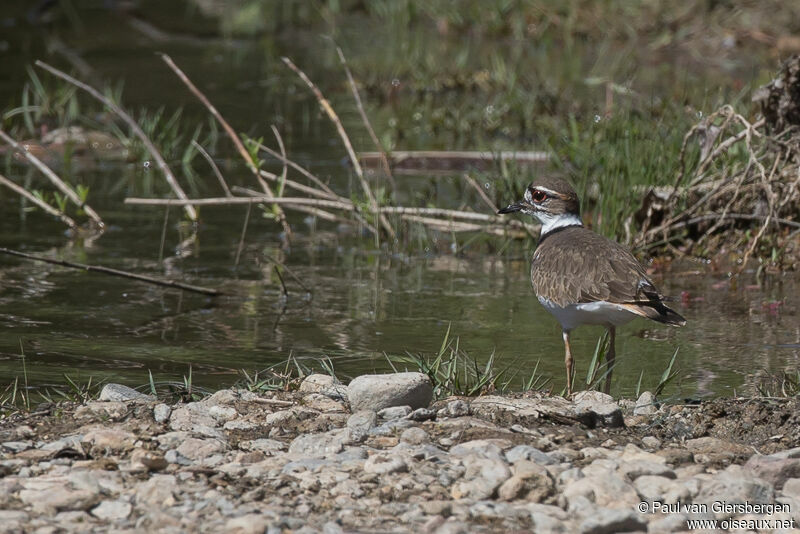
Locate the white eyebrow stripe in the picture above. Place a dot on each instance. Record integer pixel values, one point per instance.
(546, 190)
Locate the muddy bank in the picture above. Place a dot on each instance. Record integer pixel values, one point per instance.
(305, 462)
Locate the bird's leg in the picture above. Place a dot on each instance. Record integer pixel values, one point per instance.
(567, 361)
(610, 355)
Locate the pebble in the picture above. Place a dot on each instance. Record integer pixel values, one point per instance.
(394, 412)
(161, 413)
(237, 462)
(376, 392)
(120, 393)
(645, 404)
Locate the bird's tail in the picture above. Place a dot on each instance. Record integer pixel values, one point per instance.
(657, 311)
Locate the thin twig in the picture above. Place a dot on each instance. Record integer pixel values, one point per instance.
(290, 271)
(326, 106)
(163, 235)
(241, 238)
(113, 272)
(285, 170)
(357, 97)
(53, 177)
(471, 181)
(283, 284)
(151, 148)
(301, 187)
(226, 201)
(322, 214)
(214, 167)
(231, 134)
(43, 205)
(300, 169)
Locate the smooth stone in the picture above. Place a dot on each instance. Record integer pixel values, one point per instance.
(376, 392)
(645, 404)
(455, 408)
(421, 414)
(651, 442)
(270, 447)
(526, 452)
(17, 446)
(394, 412)
(775, 469)
(360, 423)
(485, 448)
(158, 490)
(791, 488)
(197, 449)
(383, 464)
(317, 383)
(320, 445)
(737, 485)
(112, 510)
(604, 411)
(415, 436)
(223, 414)
(481, 479)
(119, 393)
(108, 440)
(161, 412)
(59, 498)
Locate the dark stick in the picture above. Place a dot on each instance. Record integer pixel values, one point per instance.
(113, 272)
(283, 284)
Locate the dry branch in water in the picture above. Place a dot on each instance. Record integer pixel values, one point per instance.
(62, 186)
(113, 272)
(232, 135)
(66, 219)
(326, 106)
(151, 148)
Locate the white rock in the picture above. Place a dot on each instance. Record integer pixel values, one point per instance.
(112, 510)
(158, 490)
(317, 383)
(108, 440)
(198, 449)
(383, 464)
(482, 478)
(360, 423)
(267, 446)
(320, 445)
(645, 404)
(161, 412)
(526, 452)
(222, 413)
(119, 393)
(376, 392)
(394, 412)
(415, 436)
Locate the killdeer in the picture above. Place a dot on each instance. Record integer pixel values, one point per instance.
(581, 277)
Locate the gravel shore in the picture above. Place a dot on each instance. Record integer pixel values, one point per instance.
(304, 462)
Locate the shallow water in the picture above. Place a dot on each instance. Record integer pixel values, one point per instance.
(357, 303)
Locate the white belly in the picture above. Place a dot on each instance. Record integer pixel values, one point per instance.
(599, 313)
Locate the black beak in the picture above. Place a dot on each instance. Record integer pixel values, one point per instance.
(511, 208)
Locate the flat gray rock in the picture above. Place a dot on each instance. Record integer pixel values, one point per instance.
(376, 392)
(645, 404)
(119, 393)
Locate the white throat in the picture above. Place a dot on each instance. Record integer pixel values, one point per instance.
(551, 221)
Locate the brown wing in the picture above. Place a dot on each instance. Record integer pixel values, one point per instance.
(577, 265)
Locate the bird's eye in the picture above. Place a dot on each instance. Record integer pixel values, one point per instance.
(538, 196)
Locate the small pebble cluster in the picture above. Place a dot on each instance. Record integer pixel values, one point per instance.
(374, 456)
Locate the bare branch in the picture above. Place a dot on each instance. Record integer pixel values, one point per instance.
(151, 148)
